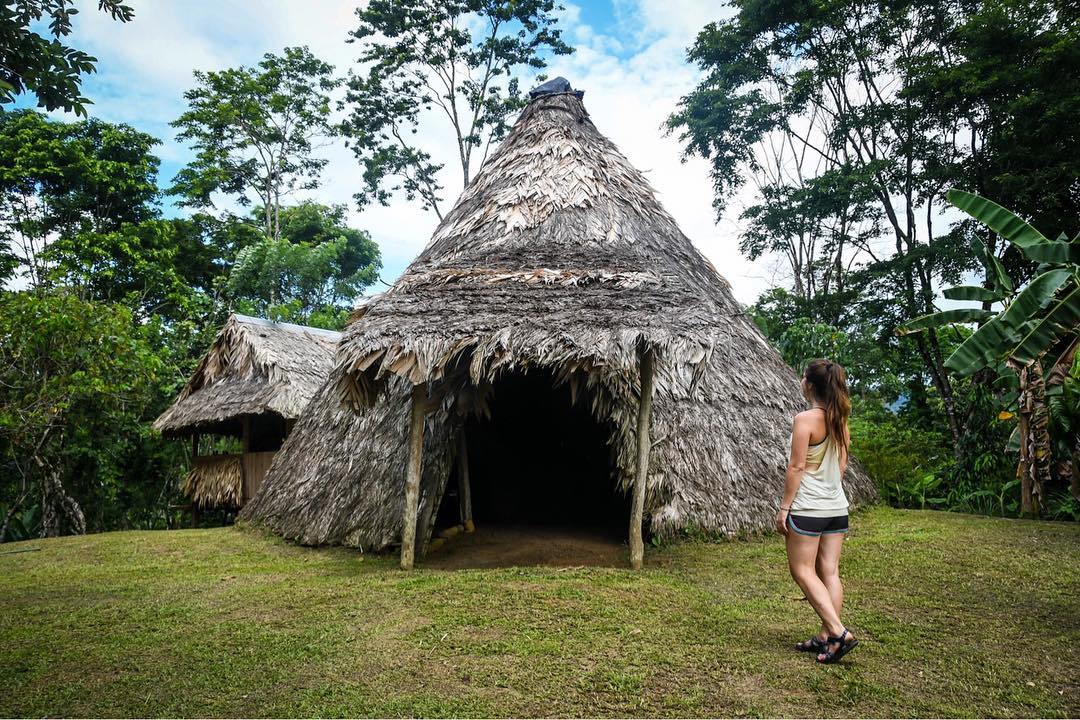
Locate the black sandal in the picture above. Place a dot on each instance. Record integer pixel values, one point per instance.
(832, 656)
(814, 644)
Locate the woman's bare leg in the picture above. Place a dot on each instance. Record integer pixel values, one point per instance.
(828, 570)
(802, 551)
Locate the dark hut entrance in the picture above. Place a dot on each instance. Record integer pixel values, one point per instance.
(542, 483)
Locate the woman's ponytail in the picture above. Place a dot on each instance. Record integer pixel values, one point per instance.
(828, 382)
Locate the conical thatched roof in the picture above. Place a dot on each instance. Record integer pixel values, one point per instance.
(254, 367)
(557, 255)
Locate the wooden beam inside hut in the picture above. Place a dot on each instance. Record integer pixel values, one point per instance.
(464, 490)
(412, 475)
(637, 542)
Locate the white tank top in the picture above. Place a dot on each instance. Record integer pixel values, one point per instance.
(821, 494)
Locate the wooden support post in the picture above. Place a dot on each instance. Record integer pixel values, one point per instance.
(464, 490)
(195, 514)
(412, 475)
(637, 543)
(246, 433)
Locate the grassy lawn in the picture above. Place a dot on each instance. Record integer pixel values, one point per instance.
(958, 615)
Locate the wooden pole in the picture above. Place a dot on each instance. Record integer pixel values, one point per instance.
(246, 433)
(464, 490)
(412, 475)
(637, 543)
(195, 515)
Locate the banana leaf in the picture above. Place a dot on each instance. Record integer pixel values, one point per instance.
(974, 293)
(1004, 222)
(1002, 333)
(1063, 318)
(995, 271)
(1038, 294)
(945, 317)
(1058, 253)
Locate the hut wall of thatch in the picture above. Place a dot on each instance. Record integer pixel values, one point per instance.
(557, 256)
(215, 481)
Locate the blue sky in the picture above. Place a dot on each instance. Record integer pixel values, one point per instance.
(630, 61)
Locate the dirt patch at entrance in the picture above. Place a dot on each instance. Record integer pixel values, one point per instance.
(518, 545)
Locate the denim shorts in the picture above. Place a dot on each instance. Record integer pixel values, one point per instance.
(818, 526)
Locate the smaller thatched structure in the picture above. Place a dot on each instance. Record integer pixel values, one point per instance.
(252, 385)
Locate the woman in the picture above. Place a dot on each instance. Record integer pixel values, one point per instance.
(814, 510)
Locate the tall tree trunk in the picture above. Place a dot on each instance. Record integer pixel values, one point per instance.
(1041, 453)
(1023, 467)
(58, 509)
(931, 356)
(1036, 459)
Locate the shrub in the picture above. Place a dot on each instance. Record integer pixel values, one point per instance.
(908, 464)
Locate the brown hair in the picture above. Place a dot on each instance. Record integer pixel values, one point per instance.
(828, 383)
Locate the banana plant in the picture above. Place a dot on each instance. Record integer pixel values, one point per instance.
(1038, 325)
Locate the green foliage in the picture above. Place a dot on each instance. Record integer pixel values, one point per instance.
(78, 210)
(63, 180)
(907, 463)
(77, 380)
(1043, 314)
(309, 276)
(460, 56)
(805, 340)
(120, 303)
(917, 467)
(31, 62)
(854, 117)
(22, 524)
(254, 131)
(873, 361)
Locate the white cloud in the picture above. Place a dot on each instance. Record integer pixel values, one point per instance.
(633, 73)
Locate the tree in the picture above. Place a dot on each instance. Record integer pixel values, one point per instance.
(74, 378)
(1040, 323)
(63, 179)
(254, 131)
(30, 62)
(889, 98)
(1005, 75)
(310, 275)
(459, 56)
(78, 209)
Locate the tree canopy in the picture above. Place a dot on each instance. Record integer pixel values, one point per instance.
(460, 59)
(34, 63)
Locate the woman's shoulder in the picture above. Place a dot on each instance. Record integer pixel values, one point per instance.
(807, 416)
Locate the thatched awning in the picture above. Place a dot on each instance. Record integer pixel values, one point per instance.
(254, 367)
(215, 481)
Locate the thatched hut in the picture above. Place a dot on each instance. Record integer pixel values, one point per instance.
(252, 386)
(558, 348)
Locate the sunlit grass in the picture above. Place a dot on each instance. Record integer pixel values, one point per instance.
(958, 615)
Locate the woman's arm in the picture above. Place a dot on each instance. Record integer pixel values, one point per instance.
(800, 442)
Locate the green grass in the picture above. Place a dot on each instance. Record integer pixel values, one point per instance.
(958, 616)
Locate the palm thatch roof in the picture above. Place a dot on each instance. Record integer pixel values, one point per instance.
(254, 367)
(558, 256)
